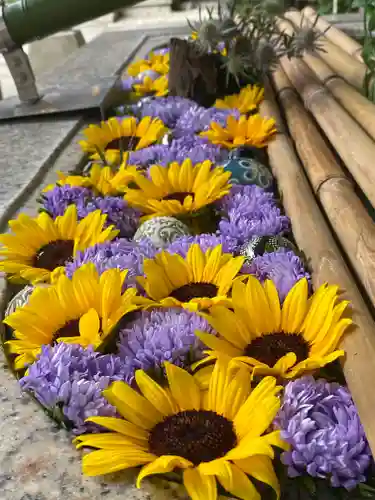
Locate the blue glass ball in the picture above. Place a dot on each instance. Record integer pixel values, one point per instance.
(247, 171)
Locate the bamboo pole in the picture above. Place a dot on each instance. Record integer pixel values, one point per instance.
(345, 65)
(348, 217)
(358, 106)
(333, 34)
(355, 147)
(314, 238)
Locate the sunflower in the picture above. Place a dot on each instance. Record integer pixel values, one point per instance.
(253, 130)
(247, 100)
(195, 282)
(156, 62)
(178, 189)
(148, 86)
(104, 180)
(137, 67)
(82, 311)
(114, 135)
(39, 246)
(216, 435)
(300, 336)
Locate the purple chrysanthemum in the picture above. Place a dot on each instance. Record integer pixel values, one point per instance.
(205, 241)
(250, 211)
(197, 119)
(196, 148)
(161, 335)
(149, 156)
(127, 83)
(70, 379)
(57, 200)
(120, 254)
(160, 52)
(283, 267)
(123, 217)
(321, 423)
(168, 109)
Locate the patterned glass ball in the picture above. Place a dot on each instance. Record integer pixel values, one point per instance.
(260, 245)
(249, 171)
(162, 231)
(245, 152)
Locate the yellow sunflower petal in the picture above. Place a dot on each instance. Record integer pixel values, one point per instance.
(132, 406)
(295, 307)
(236, 482)
(121, 426)
(260, 467)
(102, 462)
(155, 394)
(218, 345)
(260, 408)
(162, 465)
(184, 389)
(199, 487)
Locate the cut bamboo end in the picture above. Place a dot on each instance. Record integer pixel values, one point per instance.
(357, 105)
(345, 65)
(336, 36)
(349, 219)
(314, 238)
(354, 146)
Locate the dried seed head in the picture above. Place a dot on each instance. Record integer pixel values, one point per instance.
(266, 57)
(306, 38)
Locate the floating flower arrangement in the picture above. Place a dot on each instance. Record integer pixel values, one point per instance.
(162, 311)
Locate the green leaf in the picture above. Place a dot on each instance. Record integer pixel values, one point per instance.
(357, 4)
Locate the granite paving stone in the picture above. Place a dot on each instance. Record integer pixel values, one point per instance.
(28, 150)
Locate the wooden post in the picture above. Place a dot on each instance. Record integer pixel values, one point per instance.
(314, 237)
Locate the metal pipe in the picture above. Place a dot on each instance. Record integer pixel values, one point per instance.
(28, 20)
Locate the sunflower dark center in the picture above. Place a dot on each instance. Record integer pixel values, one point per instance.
(70, 329)
(54, 254)
(269, 348)
(178, 196)
(125, 143)
(198, 436)
(194, 290)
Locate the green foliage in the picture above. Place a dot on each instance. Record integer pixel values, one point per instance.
(368, 52)
(326, 6)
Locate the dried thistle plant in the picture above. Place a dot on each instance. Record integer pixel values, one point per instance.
(248, 30)
(306, 38)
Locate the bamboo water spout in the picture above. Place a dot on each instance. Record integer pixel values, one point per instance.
(349, 218)
(28, 20)
(315, 239)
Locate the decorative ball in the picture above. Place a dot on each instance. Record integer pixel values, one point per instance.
(20, 299)
(244, 152)
(162, 231)
(260, 245)
(249, 171)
